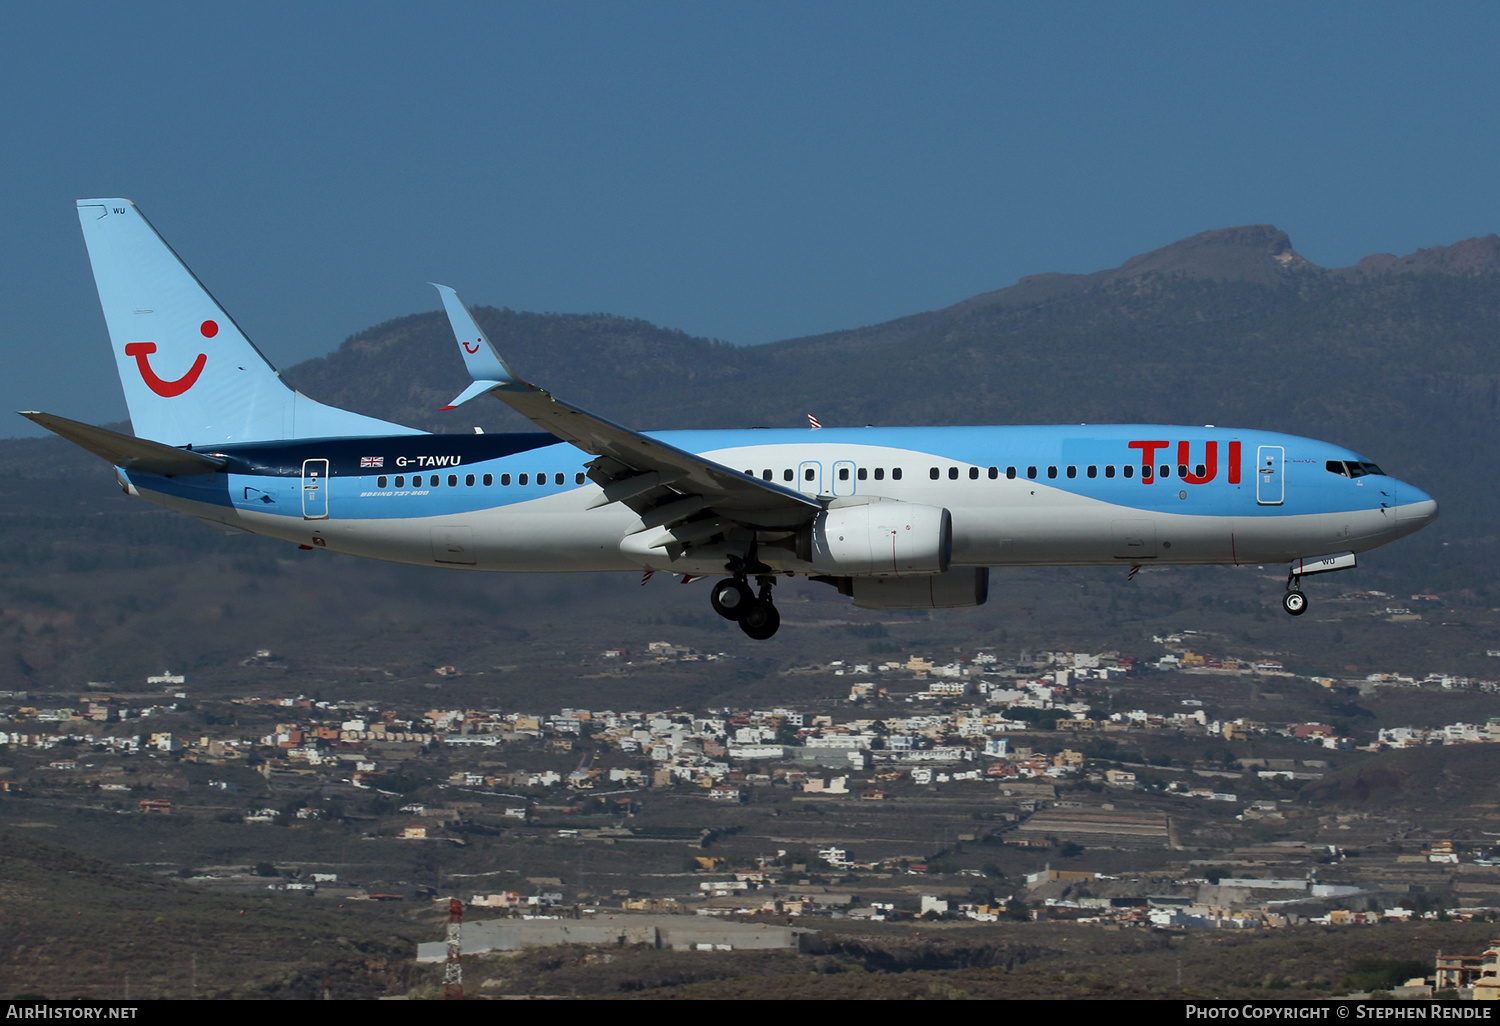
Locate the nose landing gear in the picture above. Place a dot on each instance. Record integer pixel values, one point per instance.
(755, 613)
(1294, 601)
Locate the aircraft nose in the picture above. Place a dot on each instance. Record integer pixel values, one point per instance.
(1415, 509)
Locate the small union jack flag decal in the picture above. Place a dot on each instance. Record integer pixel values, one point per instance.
(372, 461)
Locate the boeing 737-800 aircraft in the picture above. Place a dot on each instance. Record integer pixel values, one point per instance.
(894, 517)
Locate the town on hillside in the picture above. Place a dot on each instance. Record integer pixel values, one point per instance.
(1156, 790)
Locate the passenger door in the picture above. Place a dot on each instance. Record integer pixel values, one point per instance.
(1270, 482)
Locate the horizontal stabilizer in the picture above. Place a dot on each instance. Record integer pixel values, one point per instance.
(125, 451)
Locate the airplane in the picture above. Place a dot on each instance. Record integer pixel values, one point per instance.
(895, 518)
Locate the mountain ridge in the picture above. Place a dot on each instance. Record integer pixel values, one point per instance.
(1261, 253)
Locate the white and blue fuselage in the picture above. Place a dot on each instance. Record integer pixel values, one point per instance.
(1019, 496)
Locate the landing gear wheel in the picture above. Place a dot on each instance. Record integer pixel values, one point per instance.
(1294, 602)
(761, 620)
(731, 598)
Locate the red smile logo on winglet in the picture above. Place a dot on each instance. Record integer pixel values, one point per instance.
(168, 389)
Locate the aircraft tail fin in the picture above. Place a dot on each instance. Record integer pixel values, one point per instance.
(190, 375)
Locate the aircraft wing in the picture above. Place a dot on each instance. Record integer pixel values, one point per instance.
(667, 486)
(128, 452)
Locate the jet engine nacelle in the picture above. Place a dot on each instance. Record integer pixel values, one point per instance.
(879, 538)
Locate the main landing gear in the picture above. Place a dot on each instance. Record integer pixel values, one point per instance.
(733, 600)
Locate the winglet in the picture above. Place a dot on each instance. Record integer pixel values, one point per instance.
(476, 389)
(480, 358)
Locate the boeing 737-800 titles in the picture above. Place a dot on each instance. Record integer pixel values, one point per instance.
(893, 517)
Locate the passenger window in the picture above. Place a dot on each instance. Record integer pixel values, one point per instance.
(380, 481)
(1199, 472)
(1093, 472)
(1051, 471)
(489, 479)
(1010, 473)
(895, 473)
(559, 478)
(504, 480)
(934, 473)
(541, 480)
(1145, 473)
(1166, 471)
(807, 475)
(1031, 473)
(469, 481)
(880, 473)
(523, 479)
(400, 481)
(863, 473)
(1129, 470)
(580, 477)
(1182, 470)
(765, 475)
(1109, 471)
(843, 473)
(994, 473)
(787, 475)
(952, 473)
(1072, 472)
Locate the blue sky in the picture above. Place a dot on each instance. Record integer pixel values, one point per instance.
(745, 171)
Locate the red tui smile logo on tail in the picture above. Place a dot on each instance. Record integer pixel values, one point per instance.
(168, 389)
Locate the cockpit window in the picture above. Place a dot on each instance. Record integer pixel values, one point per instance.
(1350, 468)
